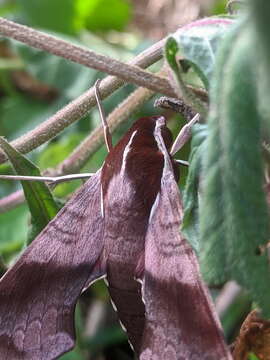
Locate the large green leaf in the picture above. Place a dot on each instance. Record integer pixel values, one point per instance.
(190, 226)
(199, 41)
(260, 20)
(39, 198)
(171, 50)
(234, 219)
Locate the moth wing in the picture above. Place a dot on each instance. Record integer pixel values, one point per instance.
(39, 293)
(180, 318)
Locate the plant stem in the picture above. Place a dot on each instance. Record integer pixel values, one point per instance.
(83, 56)
(82, 153)
(79, 107)
(11, 201)
(77, 159)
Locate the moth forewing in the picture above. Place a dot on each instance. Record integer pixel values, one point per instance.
(180, 319)
(130, 182)
(38, 294)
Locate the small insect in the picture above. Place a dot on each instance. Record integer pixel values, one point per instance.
(123, 223)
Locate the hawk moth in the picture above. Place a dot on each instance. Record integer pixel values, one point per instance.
(123, 223)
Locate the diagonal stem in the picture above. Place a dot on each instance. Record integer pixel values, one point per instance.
(84, 56)
(79, 107)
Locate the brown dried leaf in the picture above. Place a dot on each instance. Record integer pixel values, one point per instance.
(254, 337)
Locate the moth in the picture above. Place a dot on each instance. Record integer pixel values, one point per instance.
(123, 223)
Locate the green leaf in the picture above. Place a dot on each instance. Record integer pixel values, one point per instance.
(234, 315)
(199, 42)
(261, 55)
(101, 15)
(6, 187)
(54, 154)
(190, 226)
(252, 356)
(197, 71)
(39, 198)
(8, 7)
(106, 337)
(219, 7)
(234, 218)
(13, 230)
(171, 50)
(56, 15)
(34, 112)
(69, 78)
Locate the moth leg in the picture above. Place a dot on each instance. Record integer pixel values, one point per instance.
(184, 135)
(182, 162)
(106, 129)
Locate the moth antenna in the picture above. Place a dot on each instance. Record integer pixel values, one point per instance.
(184, 135)
(51, 179)
(106, 129)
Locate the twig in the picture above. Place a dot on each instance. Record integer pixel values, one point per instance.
(76, 110)
(80, 155)
(83, 56)
(78, 158)
(177, 105)
(80, 106)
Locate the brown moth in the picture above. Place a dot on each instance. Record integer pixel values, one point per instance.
(123, 223)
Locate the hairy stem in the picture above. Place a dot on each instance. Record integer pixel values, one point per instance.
(83, 56)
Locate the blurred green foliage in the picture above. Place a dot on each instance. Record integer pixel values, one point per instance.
(13, 230)
(71, 16)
